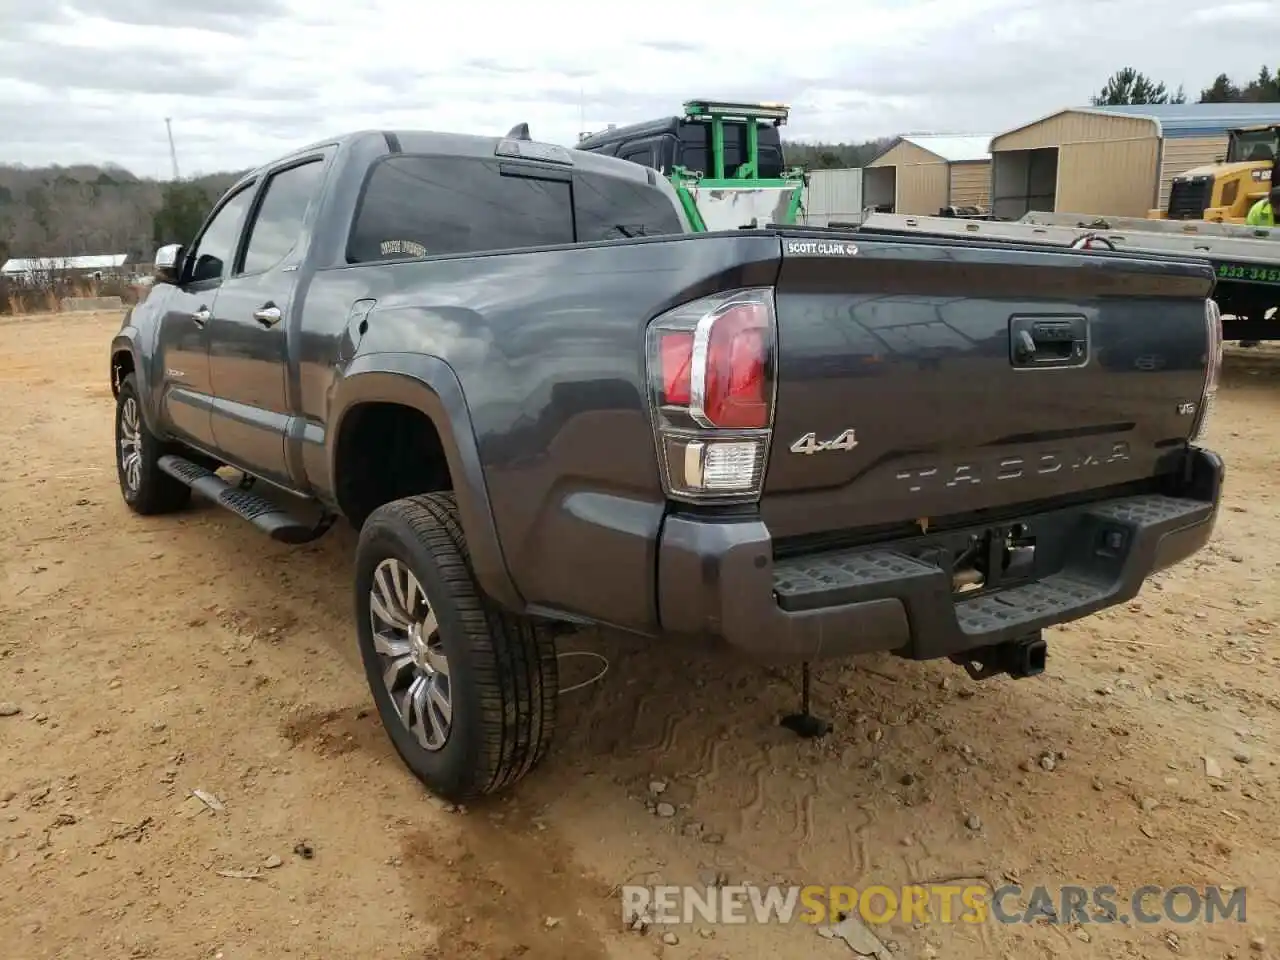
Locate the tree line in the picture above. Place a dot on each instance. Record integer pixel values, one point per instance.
(59, 212)
(1128, 85)
(830, 156)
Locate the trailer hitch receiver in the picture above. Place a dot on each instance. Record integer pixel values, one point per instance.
(1024, 657)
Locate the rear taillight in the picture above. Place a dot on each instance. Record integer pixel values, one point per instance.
(711, 371)
(1212, 368)
(676, 360)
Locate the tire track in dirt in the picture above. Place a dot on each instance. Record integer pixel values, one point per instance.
(507, 889)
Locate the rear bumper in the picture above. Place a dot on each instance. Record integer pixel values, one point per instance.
(720, 578)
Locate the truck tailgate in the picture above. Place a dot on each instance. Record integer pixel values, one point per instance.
(973, 376)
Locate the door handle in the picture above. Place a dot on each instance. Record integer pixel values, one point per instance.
(268, 315)
(201, 317)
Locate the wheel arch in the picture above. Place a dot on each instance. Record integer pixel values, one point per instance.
(124, 360)
(429, 386)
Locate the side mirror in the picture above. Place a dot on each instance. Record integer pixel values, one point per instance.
(169, 262)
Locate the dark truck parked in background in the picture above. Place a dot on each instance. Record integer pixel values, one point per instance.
(544, 405)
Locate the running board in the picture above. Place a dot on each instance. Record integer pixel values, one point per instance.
(272, 520)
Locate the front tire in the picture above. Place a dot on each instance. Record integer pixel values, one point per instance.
(466, 691)
(146, 488)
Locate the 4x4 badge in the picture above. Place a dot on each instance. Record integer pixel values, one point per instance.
(810, 444)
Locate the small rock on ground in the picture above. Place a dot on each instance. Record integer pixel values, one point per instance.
(9, 709)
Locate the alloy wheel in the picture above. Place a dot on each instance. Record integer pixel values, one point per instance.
(415, 669)
(131, 444)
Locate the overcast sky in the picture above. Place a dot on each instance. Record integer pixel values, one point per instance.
(246, 80)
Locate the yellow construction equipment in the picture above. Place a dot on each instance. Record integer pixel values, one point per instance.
(1223, 192)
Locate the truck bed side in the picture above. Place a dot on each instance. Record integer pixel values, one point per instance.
(548, 347)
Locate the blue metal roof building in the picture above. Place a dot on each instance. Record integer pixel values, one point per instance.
(1197, 119)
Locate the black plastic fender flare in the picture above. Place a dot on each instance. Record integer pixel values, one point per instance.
(429, 385)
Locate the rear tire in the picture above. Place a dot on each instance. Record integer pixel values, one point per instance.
(466, 691)
(146, 488)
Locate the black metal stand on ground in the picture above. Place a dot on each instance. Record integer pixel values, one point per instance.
(805, 724)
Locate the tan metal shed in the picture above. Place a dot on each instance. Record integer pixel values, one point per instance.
(921, 174)
(1117, 160)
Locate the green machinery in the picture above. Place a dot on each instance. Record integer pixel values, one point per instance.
(714, 201)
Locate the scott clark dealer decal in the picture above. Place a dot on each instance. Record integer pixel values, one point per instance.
(821, 248)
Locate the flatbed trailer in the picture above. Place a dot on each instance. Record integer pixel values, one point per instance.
(1246, 260)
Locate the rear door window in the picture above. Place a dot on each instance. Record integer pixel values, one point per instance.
(278, 225)
(426, 206)
(609, 208)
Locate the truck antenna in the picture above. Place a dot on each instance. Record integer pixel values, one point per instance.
(173, 152)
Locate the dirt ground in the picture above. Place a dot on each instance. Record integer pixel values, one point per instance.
(150, 658)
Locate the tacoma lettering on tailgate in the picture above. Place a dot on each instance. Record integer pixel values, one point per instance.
(999, 469)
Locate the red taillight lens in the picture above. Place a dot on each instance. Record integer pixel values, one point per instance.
(710, 363)
(735, 394)
(676, 355)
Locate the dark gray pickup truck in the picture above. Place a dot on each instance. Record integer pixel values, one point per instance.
(546, 405)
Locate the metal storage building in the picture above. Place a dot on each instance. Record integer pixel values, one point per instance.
(1116, 160)
(42, 269)
(921, 174)
(833, 195)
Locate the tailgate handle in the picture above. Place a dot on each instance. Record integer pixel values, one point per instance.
(1039, 342)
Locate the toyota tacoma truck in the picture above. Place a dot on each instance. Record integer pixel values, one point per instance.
(546, 404)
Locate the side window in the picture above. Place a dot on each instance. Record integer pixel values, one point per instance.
(278, 225)
(606, 208)
(423, 206)
(643, 152)
(217, 245)
(668, 149)
(735, 147)
(770, 162)
(693, 154)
